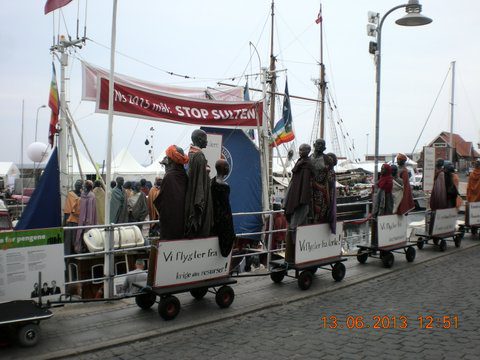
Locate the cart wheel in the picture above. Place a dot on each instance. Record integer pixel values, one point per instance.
(277, 275)
(362, 257)
(338, 271)
(305, 280)
(457, 240)
(387, 259)
(410, 254)
(199, 293)
(420, 243)
(28, 335)
(145, 301)
(224, 296)
(435, 241)
(169, 307)
(443, 245)
(313, 269)
(462, 234)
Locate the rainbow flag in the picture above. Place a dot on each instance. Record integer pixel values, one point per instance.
(283, 132)
(53, 104)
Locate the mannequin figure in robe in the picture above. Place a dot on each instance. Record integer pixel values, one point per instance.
(152, 211)
(88, 215)
(222, 212)
(99, 193)
(298, 200)
(118, 204)
(321, 191)
(71, 212)
(170, 203)
(407, 204)
(127, 188)
(332, 190)
(137, 205)
(397, 189)
(198, 205)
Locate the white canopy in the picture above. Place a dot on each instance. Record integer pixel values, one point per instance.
(125, 163)
(8, 169)
(85, 164)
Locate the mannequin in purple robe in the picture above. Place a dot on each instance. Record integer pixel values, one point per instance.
(88, 215)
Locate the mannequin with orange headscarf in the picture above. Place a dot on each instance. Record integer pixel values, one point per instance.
(170, 202)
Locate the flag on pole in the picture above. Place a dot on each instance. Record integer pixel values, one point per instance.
(246, 97)
(52, 5)
(283, 132)
(319, 18)
(53, 104)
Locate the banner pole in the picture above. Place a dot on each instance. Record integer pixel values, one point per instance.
(109, 258)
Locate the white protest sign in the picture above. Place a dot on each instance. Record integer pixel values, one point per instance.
(428, 168)
(23, 254)
(316, 243)
(213, 151)
(444, 222)
(474, 213)
(392, 230)
(181, 262)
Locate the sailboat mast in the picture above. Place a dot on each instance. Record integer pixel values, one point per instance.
(272, 79)
(452, 104)
(322, 83)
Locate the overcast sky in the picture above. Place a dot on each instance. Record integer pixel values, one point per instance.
(209, 40)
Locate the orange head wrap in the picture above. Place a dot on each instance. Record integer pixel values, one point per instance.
(401, 156)
(176, 155)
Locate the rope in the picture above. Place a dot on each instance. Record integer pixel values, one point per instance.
(431, 110)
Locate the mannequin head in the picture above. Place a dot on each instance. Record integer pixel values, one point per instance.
(113, 184)
(158, 181)
(78, 186)
(439, 164)
(120, 181)
(199, 138)
(97, 183)
(394, 170)
(319, 146)
(127, 185)
(333, 159)
(143, 182)
(401, 159)
(304, 150)
(88, 186)
(222, 167)
(137, 186)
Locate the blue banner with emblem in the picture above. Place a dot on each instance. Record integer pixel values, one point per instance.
(244, 179)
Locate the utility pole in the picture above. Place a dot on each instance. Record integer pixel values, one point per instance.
(272, 78)
(60, 51)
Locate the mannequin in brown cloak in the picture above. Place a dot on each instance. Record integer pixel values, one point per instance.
(222, 212)
(152, 212)
(170, 203)
(198, 205)
(298, 199)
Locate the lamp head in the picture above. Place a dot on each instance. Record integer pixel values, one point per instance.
(413, 16)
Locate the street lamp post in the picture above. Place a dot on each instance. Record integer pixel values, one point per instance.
(412, 18)
(36, 120)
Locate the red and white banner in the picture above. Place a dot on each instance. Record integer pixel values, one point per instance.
(133, 101)
(92, 74)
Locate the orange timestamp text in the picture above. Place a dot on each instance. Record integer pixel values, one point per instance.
(389, 322)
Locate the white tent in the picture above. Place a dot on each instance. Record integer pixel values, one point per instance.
(126, 166)
(156, 169)
(85, 164)
(9, 171)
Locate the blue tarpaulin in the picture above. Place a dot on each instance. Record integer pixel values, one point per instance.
(43, 208)
(244, 178)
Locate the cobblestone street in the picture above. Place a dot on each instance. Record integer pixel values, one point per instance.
(444, 292)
